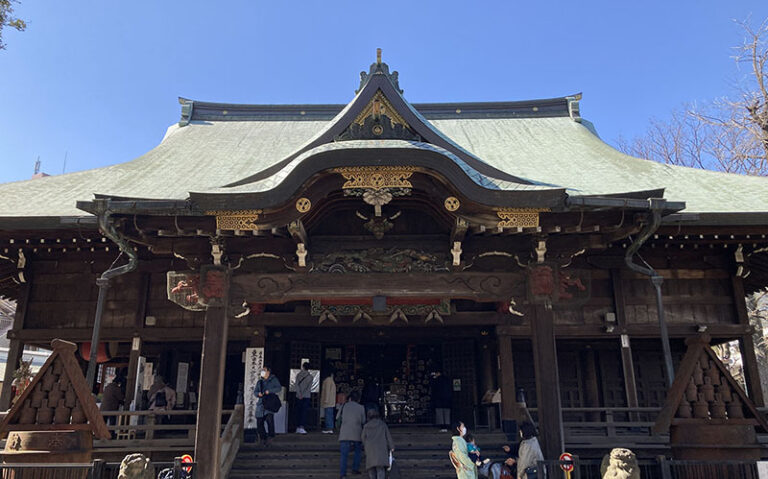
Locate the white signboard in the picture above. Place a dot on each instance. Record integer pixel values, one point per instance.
(182, 374)
(254, 361)
(146, 383)
(762, 469)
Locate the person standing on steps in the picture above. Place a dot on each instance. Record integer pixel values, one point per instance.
(378, 445)
(267, 385)
(303, 394)
(328, 402)
(442, 399)
(465, 468)
(352, 415)
(529, 453)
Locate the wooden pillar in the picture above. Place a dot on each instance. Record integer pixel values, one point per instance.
(627, 363)
(751, 370)
(15, 348)
(591, 386)
(547, 382)
(133, 369)
(507, 379)
(747, 345)
(488, 367)
(628, 367)
(214, 355)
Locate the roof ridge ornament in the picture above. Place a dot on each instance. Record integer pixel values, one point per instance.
(379, 68)
(573, 107)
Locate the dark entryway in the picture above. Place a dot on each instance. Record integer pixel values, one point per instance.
(390, 367)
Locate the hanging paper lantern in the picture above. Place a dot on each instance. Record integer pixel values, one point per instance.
(102, 355)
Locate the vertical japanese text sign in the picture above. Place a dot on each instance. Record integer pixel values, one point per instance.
(254, 361)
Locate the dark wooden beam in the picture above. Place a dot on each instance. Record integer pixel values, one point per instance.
(207, 437)
(133, 368)
(280, 288)
(16, 347)
(124, 334)
(547, 382)
(747, 345)
(509, 409)
(628, 368)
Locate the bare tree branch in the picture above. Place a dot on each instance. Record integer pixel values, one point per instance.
(727, 134)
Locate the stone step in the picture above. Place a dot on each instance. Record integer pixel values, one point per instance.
(444, 473)
(420, 454)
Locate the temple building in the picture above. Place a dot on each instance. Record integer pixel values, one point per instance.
(504, 244)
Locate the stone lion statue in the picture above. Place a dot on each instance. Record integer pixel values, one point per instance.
(136, 466)
(620, 463)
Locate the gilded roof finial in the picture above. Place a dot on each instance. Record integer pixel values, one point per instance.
(378, 68)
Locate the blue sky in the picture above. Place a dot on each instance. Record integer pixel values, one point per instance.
(99, 80)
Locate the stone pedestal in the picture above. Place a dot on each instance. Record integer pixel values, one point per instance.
(47, 447)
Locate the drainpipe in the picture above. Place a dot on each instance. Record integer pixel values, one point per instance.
(108, 229)
(656, 207)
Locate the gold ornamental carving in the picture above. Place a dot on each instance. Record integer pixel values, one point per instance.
(303, 205)
(452, 203)
(379, 105)
(376, 177)
(243, 220)
(519, 217)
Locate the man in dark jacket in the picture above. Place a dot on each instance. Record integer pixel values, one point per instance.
(268, 384)
(352, 415)
(442, 398)
(378, 445)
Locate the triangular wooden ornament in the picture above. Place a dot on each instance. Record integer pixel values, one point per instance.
(58, 398)
(687, 400)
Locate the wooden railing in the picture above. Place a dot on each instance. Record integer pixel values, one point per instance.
(148, 431)
(602, 427)
(231, 439)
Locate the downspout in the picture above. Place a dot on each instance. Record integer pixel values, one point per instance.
(108, 229)
(656, 207)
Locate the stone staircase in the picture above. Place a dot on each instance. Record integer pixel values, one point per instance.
(422, 453)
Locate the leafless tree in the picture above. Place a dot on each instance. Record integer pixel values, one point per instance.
(727, 134)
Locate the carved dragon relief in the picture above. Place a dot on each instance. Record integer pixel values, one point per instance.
(380, 260)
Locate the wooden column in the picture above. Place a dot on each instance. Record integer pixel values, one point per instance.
(627, 363)
(591, 386)
(137, 340)
(747, 345)
(15, 348)
(214, 355)
(488, 367)
(751, 370)
(133, 369)
(547, 382)
(507, 379)
(628, 367)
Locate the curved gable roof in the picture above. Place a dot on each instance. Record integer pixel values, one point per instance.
(500, 146)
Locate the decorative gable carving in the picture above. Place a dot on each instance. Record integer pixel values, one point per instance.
(58, 398)
(705, 393)
(379, 120)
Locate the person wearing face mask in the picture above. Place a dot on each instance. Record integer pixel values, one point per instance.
(268, 384)
(465, 468)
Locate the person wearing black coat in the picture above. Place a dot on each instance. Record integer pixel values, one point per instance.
(442, 399)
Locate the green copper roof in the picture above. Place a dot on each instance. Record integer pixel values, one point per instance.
(555, 150)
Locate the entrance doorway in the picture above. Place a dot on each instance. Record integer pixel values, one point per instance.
(390, 367)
